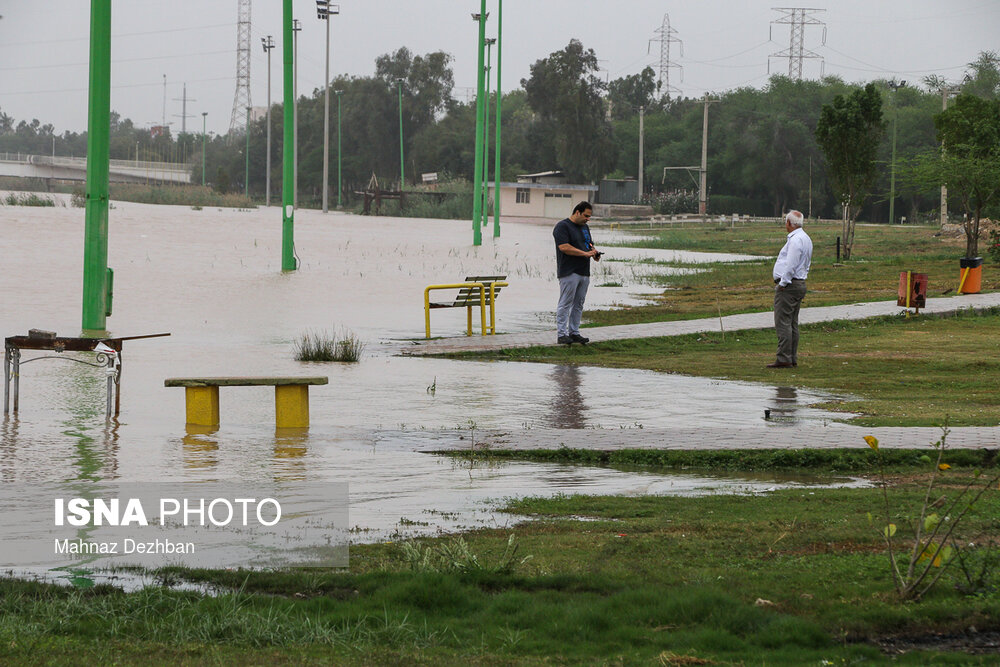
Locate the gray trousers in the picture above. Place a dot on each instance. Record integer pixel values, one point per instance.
(569, 312)
(786, 320)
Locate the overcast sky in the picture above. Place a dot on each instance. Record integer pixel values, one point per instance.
(726, 43)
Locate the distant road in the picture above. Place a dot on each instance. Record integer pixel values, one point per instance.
(75, 169)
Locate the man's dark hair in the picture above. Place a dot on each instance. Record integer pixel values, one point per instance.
(581, 207)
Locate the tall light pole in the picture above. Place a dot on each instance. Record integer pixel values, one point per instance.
(95, 249)
(268, 43)
(339, 181)
(496, 148)
(323, 11)
(402, 179)
(288, 262)
(204, 116)
(892, 165)
(477, 179)
(486, 133)
(296, 27)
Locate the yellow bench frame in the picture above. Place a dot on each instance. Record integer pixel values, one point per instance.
(481, 287)
(291, 397)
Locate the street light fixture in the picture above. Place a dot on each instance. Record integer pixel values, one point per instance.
(892, 166)
(268, 44)
(339, 181)
(204, 116)
(323, 11)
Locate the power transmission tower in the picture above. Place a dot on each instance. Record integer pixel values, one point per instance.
(667, 36)
(184, 99)
(798, 18)
(241, 102)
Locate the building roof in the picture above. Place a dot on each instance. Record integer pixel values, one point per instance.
(543, 186)
(541, 174)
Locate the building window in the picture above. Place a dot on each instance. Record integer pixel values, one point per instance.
(523, 196)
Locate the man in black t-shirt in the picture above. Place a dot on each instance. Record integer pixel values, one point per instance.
(574, 248)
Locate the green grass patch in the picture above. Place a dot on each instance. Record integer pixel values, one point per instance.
(325, 346)
(27, 199)
(893, 371)
(788, 578)
(881, 252)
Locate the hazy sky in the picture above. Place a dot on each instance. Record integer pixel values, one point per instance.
(44, 46)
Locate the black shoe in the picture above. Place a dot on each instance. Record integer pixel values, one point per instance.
(565, 340)
(779, 364)
(577, 338)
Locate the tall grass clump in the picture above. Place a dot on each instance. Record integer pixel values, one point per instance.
(27, 199)
(325, 346)
(179, 195)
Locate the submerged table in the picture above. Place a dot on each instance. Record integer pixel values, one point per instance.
(109, 357)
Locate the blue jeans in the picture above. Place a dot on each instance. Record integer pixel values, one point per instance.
(569, 312)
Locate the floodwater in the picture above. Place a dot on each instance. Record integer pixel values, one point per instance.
(212, 279)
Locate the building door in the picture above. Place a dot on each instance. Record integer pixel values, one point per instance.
(558, 205)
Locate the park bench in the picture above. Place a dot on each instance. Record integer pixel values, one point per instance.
(291, 397)
(476, 291)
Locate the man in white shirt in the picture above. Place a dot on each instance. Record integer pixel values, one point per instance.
(790, 272)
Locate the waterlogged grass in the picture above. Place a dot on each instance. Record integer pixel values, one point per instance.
(27, 199)
(881, 252)
(326, 346)
(789, 578)
(893, 371)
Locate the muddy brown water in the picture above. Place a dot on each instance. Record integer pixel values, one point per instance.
(212, 279)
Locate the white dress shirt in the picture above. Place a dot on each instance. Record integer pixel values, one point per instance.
(794, 259)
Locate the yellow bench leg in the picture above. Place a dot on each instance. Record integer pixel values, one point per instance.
(202, 405)
(291, 406)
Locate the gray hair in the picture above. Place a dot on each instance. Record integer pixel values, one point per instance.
(794, 218)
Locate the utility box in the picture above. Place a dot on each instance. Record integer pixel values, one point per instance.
(912, 290)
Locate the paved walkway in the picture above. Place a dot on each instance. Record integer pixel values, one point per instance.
(765, 435)
(765, 320)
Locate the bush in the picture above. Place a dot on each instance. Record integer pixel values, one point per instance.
(323, 346)
(28, 199)
(994, 245)
(672, 202)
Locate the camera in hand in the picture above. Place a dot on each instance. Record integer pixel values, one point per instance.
(598, 255)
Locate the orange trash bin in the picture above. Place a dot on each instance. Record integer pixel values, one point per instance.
(971, 275)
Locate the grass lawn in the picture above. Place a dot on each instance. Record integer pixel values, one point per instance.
(881, 252)
(795, 577)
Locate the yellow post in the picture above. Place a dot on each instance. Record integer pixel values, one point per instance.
(291, 405)
(909, 289)
(202, 405)
(965, 275)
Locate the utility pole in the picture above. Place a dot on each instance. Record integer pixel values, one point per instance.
(946, 91)
(323, 11)
(477, 179)
(95, 248)
(164, 101)
(268, 44)
(340, 182)
(810, 187)
(798, 18)
(703, 172)
(402, 178)
(496, 148)
(204, 117)
(246, 173)
(892, 166)
(642, 113)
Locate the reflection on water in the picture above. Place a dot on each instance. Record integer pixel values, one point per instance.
(568, 408)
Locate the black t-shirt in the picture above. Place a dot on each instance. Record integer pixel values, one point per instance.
(577, 236)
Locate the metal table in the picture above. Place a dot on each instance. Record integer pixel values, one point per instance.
(109, 357)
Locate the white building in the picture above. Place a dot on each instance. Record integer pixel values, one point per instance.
(542, 195)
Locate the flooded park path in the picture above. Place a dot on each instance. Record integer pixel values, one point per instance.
(212, 279)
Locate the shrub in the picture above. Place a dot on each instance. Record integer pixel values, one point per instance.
(28, 199)
(994, 245)
(672, 202)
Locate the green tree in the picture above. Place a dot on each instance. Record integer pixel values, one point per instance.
(970, 166)
(627, 94)
(849, 132)
(567, 95)
(983, 76)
